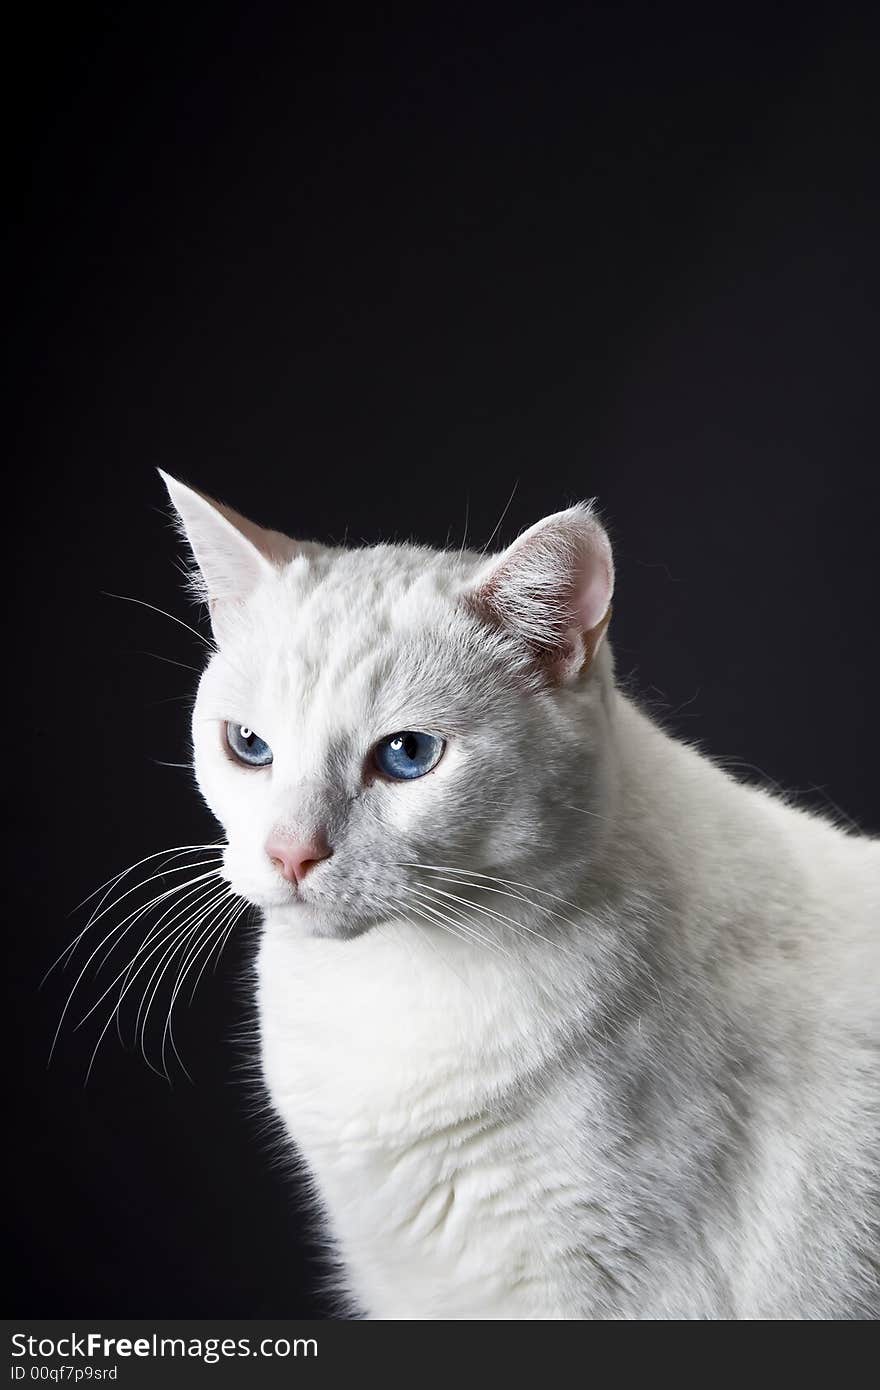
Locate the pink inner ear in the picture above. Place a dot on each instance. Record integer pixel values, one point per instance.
(595, 597)
(553, 586)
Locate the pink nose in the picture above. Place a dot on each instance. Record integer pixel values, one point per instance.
(294, 858)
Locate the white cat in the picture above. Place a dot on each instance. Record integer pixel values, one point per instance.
(564, 1021)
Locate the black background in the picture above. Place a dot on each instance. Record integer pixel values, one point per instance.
(364, 275)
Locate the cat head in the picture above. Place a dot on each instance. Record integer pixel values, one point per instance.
(375, 719)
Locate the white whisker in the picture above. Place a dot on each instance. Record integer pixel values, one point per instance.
(133, 917)
(459, 920)
(110, 883)
(399, 907)
(168, 660)
(506, 893)
(190, 926)
(500, 522)
(436, 920)
(173, 934)
(176, 908)
(126, 598)
(183, 904)
(491, 878)
(518, 927)
(216, 931)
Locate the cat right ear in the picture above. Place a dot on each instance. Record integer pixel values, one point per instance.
(552, 590)
(232, 555)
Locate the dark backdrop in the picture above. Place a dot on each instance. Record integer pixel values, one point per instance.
(366, 275)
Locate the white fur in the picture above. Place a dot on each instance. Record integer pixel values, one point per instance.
(634, 1073)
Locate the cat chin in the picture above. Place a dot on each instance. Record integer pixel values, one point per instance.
(304, 920)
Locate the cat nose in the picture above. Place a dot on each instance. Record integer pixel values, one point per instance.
(294, 858)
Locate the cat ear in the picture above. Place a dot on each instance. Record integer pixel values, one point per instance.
(552, 589)
(233, 554)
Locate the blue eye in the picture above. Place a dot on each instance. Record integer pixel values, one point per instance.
(247, 746)
(408, 754)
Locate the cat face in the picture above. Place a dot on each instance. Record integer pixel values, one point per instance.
(374, 715)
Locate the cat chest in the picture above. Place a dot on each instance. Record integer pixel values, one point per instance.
(432, 1217)
(439, 1195)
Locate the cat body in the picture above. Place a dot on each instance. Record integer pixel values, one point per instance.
(574, 1025)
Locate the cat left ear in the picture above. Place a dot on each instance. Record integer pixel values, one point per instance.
(552, 589)
(233, 554)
